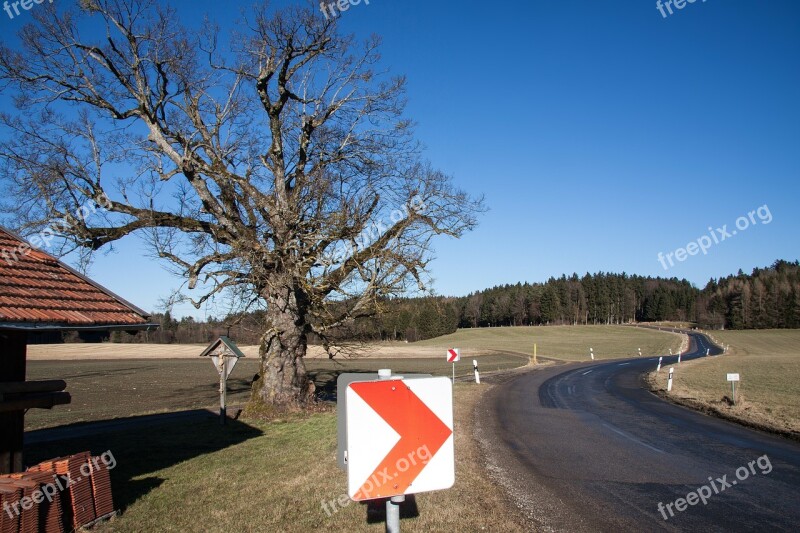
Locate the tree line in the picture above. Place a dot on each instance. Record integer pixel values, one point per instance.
(766, 298)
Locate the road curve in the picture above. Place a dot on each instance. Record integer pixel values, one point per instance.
(586, 447)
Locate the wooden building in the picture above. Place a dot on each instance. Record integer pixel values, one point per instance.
(39, 294)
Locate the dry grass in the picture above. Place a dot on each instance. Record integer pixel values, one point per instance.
(560, 342)
(109, 351)
(260, 476)
(570, 343)
(668, 324)
(769, 365)
(274, 476)
(257, 476)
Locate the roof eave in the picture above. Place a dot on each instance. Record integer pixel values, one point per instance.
(44, 327)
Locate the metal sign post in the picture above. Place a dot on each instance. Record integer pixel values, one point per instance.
(393, 513)
(453, 356)
(733, 378)
(393, 503)
(224, 354)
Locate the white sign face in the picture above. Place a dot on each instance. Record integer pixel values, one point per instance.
(399, 437)
(453, 355)
(230, 362)
(733, 377)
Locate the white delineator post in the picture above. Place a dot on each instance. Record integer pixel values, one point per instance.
(591, 353)
(679, 356)
(659, 364)
(640, 352)
(669, 381)
(477, 375)
(708, 352)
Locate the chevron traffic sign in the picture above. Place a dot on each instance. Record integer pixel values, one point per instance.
(453, 355)
(399, 437)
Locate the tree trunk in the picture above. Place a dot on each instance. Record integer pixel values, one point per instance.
(283, 381)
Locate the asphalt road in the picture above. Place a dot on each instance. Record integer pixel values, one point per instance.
(585, 447)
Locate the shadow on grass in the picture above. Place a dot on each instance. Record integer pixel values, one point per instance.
(325, 382)
(376, 509)
(142, 451)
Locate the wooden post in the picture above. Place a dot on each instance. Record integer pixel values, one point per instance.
(13, 350)
(223, 390)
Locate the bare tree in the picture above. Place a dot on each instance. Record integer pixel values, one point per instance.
(277, 167)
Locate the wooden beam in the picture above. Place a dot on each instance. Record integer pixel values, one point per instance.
(39, 400)
(13, 349)
(25, 387)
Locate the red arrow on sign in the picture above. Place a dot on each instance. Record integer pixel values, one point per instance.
(452, 355)
(417, 426)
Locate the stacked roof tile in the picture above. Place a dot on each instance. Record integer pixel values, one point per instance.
(56, 496)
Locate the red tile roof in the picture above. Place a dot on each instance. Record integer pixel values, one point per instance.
(37, 290)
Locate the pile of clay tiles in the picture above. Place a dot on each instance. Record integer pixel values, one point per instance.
(56, 496)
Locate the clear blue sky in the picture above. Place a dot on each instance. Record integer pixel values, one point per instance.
(601, 134)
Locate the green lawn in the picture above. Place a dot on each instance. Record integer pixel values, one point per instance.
(570, 343)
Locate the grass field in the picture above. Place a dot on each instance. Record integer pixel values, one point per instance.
(569, 343)
(104, 390)
(257, 476)
(560, 342)
(276, 475)
(769, 365)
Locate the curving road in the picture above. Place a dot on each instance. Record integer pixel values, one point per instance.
(585, 447)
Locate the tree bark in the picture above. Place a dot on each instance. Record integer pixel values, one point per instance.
(284, 382)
